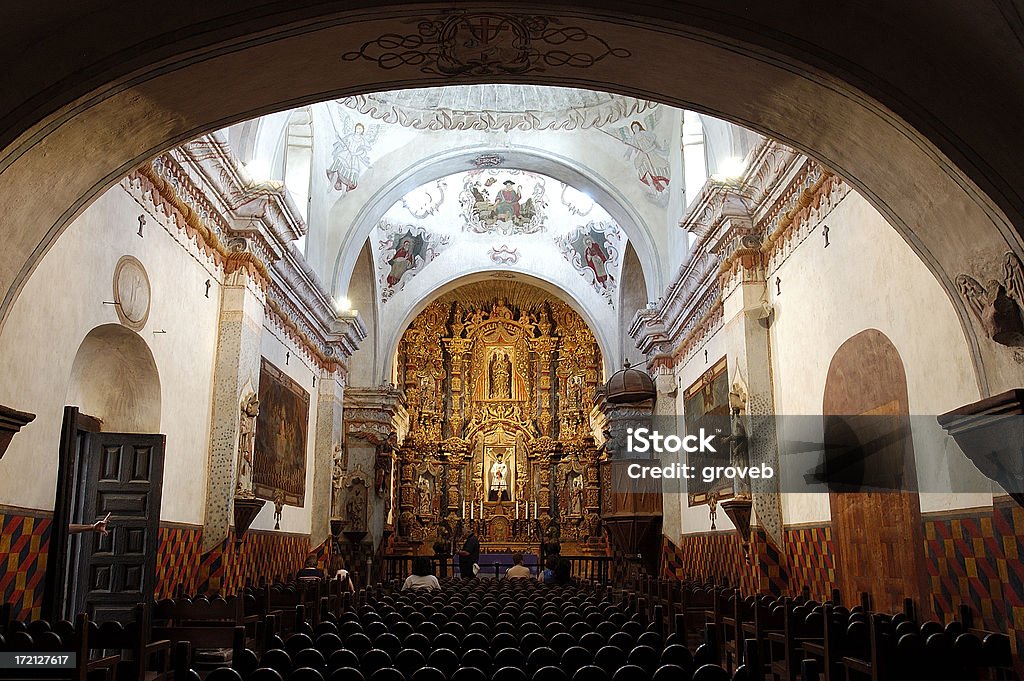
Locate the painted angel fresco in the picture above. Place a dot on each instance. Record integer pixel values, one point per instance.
(350, 155)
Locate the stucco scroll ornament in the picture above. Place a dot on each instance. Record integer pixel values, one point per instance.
(487, 43)
(250, 409)
(997, 305)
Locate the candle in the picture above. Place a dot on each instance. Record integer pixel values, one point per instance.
(534, 509)
(481, 509)
(517, 509)
(463, 508)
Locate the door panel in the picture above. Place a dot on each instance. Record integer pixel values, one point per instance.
(123, 476)
(876, 513)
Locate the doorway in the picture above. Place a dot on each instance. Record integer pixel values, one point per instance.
(110, 462)
(876, 512)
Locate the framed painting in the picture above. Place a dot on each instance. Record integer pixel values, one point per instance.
(706, 405)
(279, 461)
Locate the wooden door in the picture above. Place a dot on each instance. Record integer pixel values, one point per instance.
(876, 514)
(123, 476)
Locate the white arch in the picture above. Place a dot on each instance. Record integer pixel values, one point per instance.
(523, 158)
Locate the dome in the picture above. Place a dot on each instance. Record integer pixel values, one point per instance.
(629, 385)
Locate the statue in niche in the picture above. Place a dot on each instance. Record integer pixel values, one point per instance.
(355, 509)
(424, 497)
(501, 376)
(576, 496)
(246, 439)
(382, 465)
(500, 310)
(499, 490)
(739, 454)
(337, 482)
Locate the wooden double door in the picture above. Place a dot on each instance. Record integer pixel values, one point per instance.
(101, 473)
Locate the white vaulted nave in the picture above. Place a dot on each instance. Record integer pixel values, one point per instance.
(716, 328)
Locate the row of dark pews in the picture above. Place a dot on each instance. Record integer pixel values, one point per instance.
(759, 637)
(515, 630)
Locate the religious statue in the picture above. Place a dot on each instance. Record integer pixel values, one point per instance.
(501, 310)
(424, 497)
(501, 377)
(278, 508)
(576, 496)
(382, 465)
(337, 481)
(499, 490)
(246, 439)
(355, 509)
(739, 454)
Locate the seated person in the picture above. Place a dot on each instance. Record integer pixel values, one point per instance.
(344, 577)
(311, 571)
(422, 576)
(548, 575)
(563, 572)
(518, 570)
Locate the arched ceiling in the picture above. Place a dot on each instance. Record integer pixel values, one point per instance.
(917, 104)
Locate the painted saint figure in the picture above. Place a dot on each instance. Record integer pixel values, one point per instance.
(402, 261)
(595, 257)
(506, 205)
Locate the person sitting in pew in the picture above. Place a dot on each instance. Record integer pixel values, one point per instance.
(518, 570)
(422, 576)
(311, 571)
(344, 576)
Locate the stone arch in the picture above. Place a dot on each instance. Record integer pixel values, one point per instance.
(949, 181)
(115, 379)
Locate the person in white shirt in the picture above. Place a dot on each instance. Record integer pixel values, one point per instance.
(422, 576)
(518, 570)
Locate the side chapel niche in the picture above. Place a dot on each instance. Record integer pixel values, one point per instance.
(500, 382)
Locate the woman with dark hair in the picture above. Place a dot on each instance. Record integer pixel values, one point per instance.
(563, 572)
(343, 576)
(548, 575)
(422, 576)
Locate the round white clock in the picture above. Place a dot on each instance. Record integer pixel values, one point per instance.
(131, 292)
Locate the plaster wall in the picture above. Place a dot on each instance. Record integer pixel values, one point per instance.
(64, 300)
(868, 277)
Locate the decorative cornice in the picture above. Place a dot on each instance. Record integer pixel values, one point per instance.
(781, 193)
(243, 225)
(376, 414)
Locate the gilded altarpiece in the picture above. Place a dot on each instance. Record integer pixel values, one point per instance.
(500, 381)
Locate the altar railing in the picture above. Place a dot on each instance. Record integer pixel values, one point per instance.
(598, 569)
